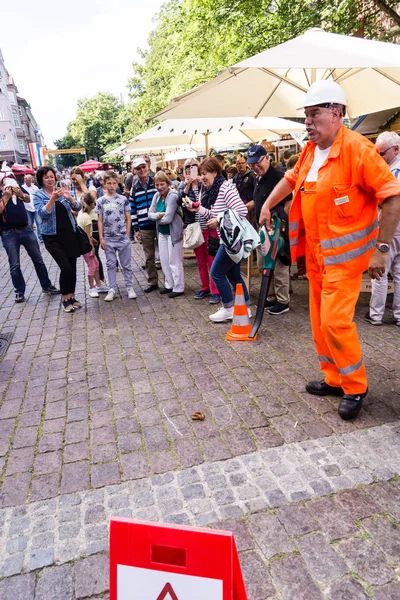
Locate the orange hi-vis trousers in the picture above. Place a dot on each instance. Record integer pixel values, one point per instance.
(332, 306)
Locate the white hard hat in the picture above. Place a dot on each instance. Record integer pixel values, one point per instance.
(324, 92)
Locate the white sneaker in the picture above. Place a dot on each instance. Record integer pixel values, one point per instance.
(93, 293)
(223, 314)
(131, 293)
(102, 289)
(110, 295)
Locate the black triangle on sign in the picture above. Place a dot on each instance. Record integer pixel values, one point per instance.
(167, 590)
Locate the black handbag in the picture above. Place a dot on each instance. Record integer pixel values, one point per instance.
(213, 245)
(84, 243)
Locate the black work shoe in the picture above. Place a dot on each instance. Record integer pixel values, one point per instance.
(165, 290)
(202, 294)
(351, 405)
(320, 388)
(150, 288)
(278, 308)
(269, 304)
(51, 290)
(19, 297)
(175, 294)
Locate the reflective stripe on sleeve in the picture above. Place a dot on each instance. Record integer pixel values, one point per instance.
(325, 359)
(343, 240)
(293, 226)
(351, 368)
(294, 242)
(350, 255)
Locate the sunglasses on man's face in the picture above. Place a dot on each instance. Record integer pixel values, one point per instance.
(140, 167)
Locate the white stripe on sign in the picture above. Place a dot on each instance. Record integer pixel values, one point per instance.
(134, 583)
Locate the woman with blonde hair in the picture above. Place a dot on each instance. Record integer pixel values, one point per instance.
(165, 212)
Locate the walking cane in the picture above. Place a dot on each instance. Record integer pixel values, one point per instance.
(271, 245)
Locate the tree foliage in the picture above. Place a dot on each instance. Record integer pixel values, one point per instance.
(100, 121)
(194, 40)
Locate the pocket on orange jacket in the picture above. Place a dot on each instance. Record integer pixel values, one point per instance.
(344, 203)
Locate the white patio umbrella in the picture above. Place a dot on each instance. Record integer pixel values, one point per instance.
(274, 82)
(213, 132)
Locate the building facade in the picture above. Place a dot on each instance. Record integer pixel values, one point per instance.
(17, 125)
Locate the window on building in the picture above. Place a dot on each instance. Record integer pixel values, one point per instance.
(16, 119)
(20, 111)
(24, 129)
(3, 142)
(21, 145)
(11, 97)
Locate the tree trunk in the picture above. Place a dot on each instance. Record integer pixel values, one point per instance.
(388, 10)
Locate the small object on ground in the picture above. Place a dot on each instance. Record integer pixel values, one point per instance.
(150, 288)
(198, 416)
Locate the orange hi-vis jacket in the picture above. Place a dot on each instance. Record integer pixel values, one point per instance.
(351, 182)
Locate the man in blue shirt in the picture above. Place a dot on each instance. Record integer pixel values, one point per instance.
(15, 232)
(140, 199)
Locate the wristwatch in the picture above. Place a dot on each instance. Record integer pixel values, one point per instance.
(382, 247)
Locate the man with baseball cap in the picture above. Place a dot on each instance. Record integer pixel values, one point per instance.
(277, 302)
(337, 184)
(141, 196)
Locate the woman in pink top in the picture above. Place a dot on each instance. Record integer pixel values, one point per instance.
(224, 272)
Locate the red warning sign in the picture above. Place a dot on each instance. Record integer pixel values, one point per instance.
(156, 561)
(167, 590)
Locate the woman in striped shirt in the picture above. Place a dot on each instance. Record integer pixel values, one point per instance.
(224, 272)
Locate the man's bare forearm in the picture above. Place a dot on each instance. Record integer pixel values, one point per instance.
(390, 217)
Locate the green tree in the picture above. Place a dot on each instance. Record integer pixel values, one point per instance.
(99, 125)
(194, 40)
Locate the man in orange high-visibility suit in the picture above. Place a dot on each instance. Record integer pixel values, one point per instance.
(337, 185)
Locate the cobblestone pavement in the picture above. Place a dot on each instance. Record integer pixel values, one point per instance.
(95, 421)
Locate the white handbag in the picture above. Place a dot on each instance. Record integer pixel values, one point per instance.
(192, 236)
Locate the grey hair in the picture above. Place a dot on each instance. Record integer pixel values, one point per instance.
(100, 176)
(190, 161)
(388, 139)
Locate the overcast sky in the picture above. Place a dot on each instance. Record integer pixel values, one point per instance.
(61, 51)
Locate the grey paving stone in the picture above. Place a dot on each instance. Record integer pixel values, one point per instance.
(256, 576)
(322, 561)
(55, 582)
(385, 534)
(299, 587)
(348, 589)
(41, 557)
(91, 576)
(332, 518)
(21, 587)
(12, 565)
(387, 592)
(367, 561)
(297, 520)
(269, 534)
(17, 544)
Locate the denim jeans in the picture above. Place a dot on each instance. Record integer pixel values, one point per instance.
(33, 217)
(12, 241)
(225, 274)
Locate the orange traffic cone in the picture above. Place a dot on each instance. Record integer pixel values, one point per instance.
(241, 325)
